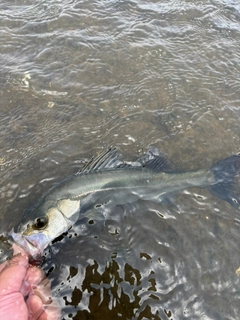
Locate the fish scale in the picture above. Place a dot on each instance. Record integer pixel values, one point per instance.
(108, 179)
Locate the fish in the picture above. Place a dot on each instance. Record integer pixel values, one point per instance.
(109, 181)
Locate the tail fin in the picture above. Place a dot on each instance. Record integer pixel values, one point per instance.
(226, 173)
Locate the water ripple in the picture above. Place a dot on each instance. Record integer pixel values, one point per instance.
(78, 76)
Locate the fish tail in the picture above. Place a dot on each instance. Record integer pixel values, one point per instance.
(226, 173)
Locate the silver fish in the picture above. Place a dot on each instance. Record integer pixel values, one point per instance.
(107, 177)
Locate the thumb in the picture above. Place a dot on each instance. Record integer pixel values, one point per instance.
(12, 274)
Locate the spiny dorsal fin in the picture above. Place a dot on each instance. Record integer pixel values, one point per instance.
(151, 153)
(155, 160)
(108, 159)
(105, 160)
(158, 164)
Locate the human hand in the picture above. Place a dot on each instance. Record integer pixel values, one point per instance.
(25, 291)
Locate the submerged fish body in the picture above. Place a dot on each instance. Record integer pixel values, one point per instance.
(150, 178)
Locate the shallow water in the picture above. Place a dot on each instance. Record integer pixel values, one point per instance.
(78, 76)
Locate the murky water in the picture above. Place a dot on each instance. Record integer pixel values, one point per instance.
(78, 76)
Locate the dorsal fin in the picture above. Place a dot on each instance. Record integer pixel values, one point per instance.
(151, 153)
(105, 160)
(155, 160)
(108, 159)
(159, 163)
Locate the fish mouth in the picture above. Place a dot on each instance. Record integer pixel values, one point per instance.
(26, 243)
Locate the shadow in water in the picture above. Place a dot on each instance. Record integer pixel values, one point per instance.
(105, 296)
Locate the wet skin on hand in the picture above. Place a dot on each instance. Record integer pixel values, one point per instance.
(25, 291)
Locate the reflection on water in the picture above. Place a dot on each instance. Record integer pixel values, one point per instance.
(147, 261)
(78, 76)
(102, 294)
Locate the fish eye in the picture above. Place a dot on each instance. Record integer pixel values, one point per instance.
(40, 223)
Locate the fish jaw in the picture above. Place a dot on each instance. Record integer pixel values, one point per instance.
(34, 241)
(33, 244)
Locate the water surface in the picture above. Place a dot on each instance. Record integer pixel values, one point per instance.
(78, 76)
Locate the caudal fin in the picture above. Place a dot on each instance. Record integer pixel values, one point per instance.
(226, 173)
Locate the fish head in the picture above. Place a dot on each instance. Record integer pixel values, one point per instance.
(35, 235)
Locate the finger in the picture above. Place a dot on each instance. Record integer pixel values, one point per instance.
(51, 312)
(12, 275)
(17, 250)
(44, 316)
(35, 307)
(42, 311)
(12, 306)
(43, 290)
(33, 277)
(50, 306)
